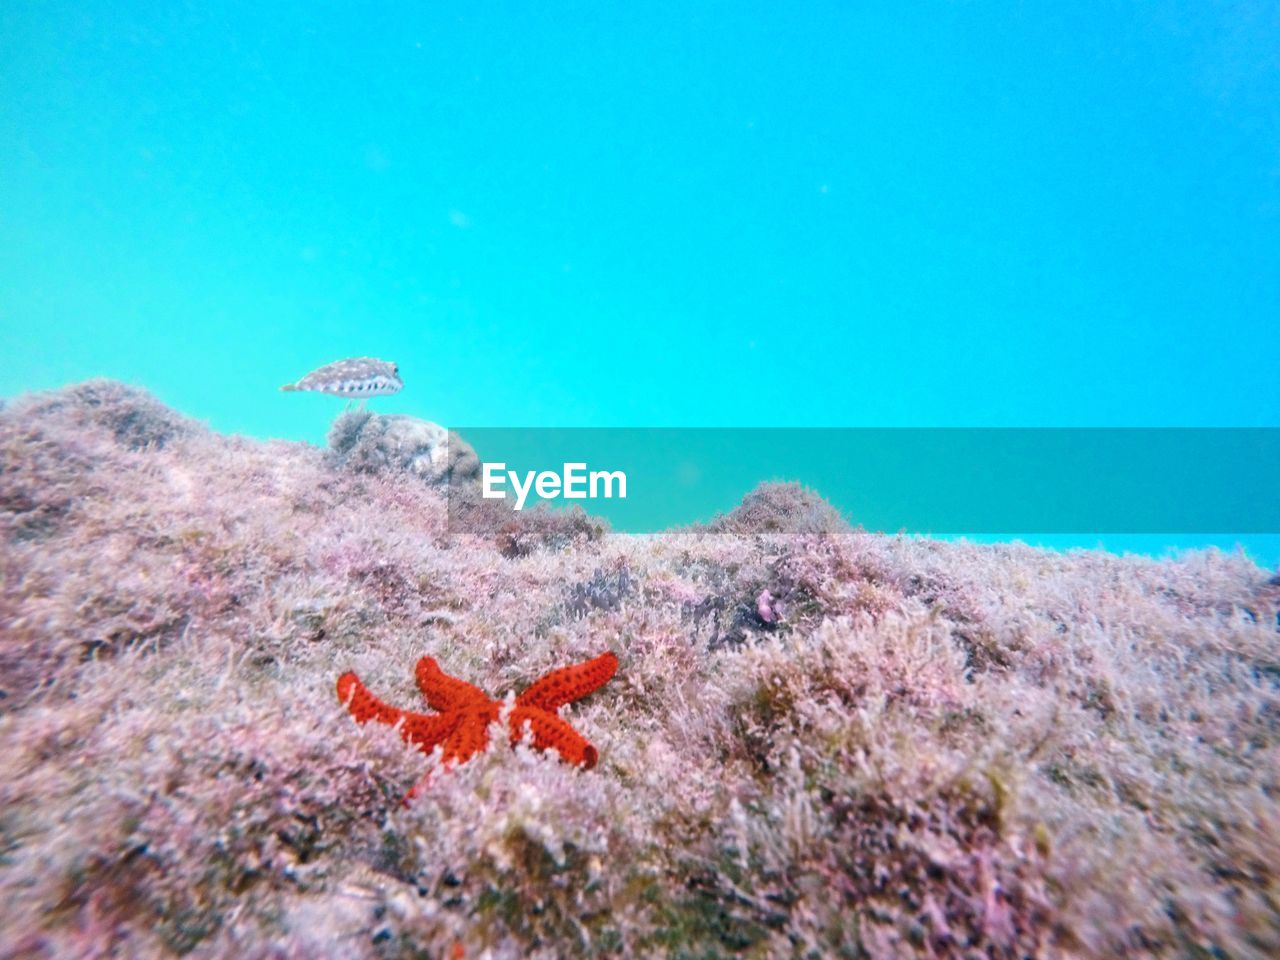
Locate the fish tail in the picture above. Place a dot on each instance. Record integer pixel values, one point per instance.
(289, 387)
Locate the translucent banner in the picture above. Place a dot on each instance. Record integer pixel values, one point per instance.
(928, 481)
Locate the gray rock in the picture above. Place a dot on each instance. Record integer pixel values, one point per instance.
(368, 442)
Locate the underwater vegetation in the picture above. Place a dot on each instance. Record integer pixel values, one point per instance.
(826, 743)
(785, 507)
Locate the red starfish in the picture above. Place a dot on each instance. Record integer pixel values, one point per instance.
(465, 712)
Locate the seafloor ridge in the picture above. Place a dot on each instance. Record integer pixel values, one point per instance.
(816, 744)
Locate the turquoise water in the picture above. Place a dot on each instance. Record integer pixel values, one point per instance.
(694, 214)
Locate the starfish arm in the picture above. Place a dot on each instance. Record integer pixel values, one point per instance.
(362, 704)
(552, 733)
(470, 736)
(425, 731)
(422, 730)
(569, 683)
(444, 692)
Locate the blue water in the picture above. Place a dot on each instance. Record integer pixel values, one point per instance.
(665, 214)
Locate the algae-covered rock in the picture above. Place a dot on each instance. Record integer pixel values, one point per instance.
(856, 745)
(781, 508)
(133, 417)
(369, 442)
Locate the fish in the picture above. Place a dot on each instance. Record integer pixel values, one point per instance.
(354, 377)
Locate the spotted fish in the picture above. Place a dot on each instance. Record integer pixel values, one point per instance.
(356, 377)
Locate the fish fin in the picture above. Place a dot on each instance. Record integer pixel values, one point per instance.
(289, 387)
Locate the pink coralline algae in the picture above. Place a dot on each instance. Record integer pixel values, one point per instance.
(825, 742)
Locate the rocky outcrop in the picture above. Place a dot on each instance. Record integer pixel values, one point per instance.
(370, 442)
